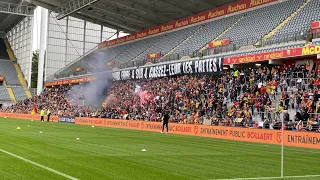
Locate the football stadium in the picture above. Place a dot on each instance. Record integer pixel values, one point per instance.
(160, 89)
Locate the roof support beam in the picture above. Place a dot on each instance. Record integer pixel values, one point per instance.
(138, 7)
(53, 3)
(94, 20)
(71, 7)
(124, 15)
(173, 7)
(16, 9)
(203, 3)
(42, 4)
(112, 21)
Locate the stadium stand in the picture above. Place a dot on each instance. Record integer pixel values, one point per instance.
(252, 97)
(300, 24)
(278, 27)
(316, 41)
(261, 22)
(3, 50)
(259, 50)
(4, 95)
(276, 31)
(7, 69)
(167, 42)
(19, 93)
(206, 33)
(135, 49)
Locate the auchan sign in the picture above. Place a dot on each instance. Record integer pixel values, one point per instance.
(197, 18)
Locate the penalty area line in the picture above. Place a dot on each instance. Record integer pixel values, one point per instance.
(262, 178)
(39, 165)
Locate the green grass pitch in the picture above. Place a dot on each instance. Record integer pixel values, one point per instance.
(106, 153)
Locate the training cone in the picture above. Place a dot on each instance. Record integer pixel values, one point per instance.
(143, 150)
(18, 128)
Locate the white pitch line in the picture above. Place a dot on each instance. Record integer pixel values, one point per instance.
(262, 178)
(39, 165)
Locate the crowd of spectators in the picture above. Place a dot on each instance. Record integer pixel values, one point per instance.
(235, 98)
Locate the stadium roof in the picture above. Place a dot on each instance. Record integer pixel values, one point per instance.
(129, 15)
(13, 11)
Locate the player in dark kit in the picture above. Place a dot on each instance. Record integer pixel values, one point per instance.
(166, 118)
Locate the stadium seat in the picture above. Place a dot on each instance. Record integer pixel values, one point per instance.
(206, 33)
(302, 21)
(4, 95)
(19, 93)
(8, 70)
(3, 50)
(257, 23)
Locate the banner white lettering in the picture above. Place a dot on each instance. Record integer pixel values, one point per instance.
(210, 65)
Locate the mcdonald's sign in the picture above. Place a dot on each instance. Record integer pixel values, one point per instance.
(154, 55)
(78, 69)
(214, 44)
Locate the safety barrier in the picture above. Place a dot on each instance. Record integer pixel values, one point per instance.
(27, 116)
(291, 138)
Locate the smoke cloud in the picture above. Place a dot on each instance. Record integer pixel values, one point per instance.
(94, 93)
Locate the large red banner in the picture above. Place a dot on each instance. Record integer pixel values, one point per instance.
(298, 139)
(69, 81)
(295, 52)
(204, 16)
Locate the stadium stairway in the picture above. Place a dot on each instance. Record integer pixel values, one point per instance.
(9, 50)
(4, 83)
(22, 81)
(206, 46)
(10, 92)
(283, 23)
(181, 43)
(308, 44)
(135, 58)
(18, 71)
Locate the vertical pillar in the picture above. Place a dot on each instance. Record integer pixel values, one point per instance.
(84, 37)
(118, 34)
(66, 48)
(101, 33)
(42, 49)
(47, 40)
(30, 30)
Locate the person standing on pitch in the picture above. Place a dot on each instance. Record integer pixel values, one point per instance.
(48, 115)
(166, 118)
(42, 115)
